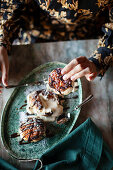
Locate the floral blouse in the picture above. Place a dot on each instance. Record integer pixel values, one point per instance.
(30, 21)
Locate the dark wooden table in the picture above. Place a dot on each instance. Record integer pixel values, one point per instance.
(25, 58)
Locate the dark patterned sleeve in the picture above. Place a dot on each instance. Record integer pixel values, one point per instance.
(8, 27)
(103, 56)
(14, 15)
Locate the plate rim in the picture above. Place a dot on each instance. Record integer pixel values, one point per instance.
(3, 141)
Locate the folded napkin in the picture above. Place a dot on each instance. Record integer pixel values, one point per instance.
(82, 149)
(5, 165)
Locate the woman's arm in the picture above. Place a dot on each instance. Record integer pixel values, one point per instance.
(6, 12)
(103, 56)
(80, 67)
(98, 63)
(8, 27)
(4, 66)
(13, 16)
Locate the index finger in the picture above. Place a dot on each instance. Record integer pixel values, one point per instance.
(72, 64)
(5, 70)
(1, 85)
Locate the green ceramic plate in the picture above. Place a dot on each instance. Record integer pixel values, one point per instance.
(10, 116)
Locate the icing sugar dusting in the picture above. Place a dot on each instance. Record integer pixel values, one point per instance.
(30, 89)
(22, 117)
(40, 86)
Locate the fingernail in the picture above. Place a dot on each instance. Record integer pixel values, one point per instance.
(62, 72)
(65, 77)
(6, 83)
(72, 78)
(89, 79)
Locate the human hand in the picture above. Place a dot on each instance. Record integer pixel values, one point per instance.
(4, 66)
(80, 67)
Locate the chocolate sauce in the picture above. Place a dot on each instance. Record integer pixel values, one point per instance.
(37, 101)
(23, 106)
(66, 108)
(62, 119)
(31, 126)
(31, 132)
(48, 114)
(58, 70)
(75, 97)
(21, 142)
(76, 86)
(34, 129)
(29, 114)
(61, 116)
(49, 94)
(63, 88)
(26, 128)
(37, 93)
(35, 137)
(59, 84)
(30, 120)
(14, 135)
(51, 82)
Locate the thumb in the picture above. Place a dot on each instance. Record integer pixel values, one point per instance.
(5, 71)
(91, 76)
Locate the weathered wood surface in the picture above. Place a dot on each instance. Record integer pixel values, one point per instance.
(100, 109)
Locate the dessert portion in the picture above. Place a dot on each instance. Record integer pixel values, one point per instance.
(58, 85)
(44, 104)
(32, 130)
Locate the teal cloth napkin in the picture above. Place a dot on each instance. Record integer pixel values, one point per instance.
(82, 149)
(5, 165)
